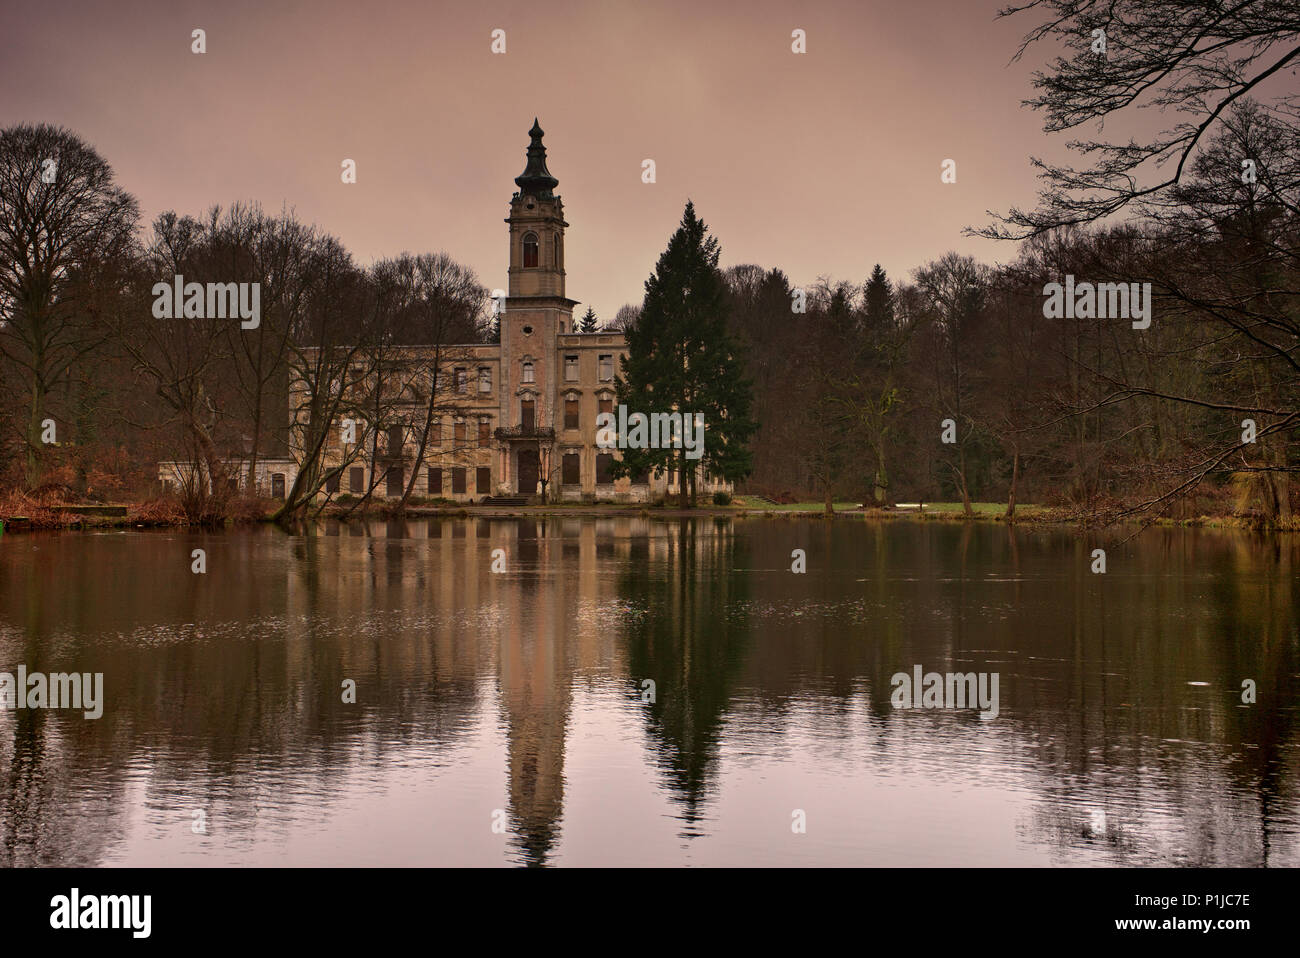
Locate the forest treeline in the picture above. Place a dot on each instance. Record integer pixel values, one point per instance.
(1191, 409)
(98, 388)
(1195, 414)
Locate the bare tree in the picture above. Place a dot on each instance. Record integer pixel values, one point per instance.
(440, 306)
(625, 318)
(1195, 59)
(334, 362)
(65, 231)
(276, 253)
(954, 289)
(183, 359)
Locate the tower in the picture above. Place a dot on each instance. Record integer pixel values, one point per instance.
(536, 229)
(536, 314)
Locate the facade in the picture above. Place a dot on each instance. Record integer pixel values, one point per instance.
(482, 420)
(520, 420)
(273, 475)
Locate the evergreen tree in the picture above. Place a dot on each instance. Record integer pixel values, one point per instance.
(870, 390)
(588, 324)
(878, 305)
(681, 359)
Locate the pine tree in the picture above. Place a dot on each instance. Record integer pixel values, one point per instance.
(871, 391)
(588, 324)
(681, 359)
(878, 305)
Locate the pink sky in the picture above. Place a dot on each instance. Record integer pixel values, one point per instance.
(821, 163)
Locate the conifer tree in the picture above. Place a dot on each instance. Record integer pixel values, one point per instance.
(869, 389)
(878, 304)
(588, 322)
(682, 359)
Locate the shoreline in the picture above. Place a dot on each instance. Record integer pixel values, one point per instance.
(83, 518)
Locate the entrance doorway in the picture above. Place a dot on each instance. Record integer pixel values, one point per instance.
(528, 472)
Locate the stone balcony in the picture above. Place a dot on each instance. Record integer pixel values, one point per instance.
(533, 433)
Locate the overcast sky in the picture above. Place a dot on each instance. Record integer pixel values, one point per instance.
(821, 163)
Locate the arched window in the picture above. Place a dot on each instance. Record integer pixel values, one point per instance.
(530, 249)
(528, 373)
(555, 251)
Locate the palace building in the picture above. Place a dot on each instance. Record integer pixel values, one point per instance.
(510, 420)
(521, 420)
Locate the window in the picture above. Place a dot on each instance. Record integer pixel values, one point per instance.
(458, 431)
(603, 463)
(571, 369)
(570, 414)
(530, 250)
(483, 480)
(606, 405)
(332, 483)
(357, 479)
(394, 440)
(570, 472)
(277, 485)
(458, 481)
(460, 379)
(641, 478)
(484, 431)
(526, 414)
(555, 251)
(435, 481)
(484, 379)
(606, 366)
(528, 373)
(395, 477)
(435, 432)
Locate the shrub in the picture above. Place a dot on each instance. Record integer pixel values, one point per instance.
(722, 498)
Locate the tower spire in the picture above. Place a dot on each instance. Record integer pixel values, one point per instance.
(536, 179)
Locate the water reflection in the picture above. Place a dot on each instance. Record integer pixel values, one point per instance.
(501, 717)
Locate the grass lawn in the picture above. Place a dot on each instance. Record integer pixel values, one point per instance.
(980, 508)
(753, 502)
(931, 508)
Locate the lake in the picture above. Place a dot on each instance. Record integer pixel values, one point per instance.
(640, 691)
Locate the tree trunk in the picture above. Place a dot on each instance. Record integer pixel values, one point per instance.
(257, 441)
(34, 438)
(1015, 474)
(965, 493)
(1281, 484)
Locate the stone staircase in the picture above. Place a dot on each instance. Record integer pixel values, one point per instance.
(512, 501)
